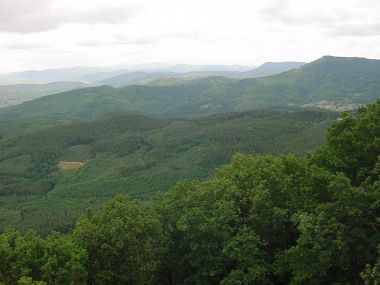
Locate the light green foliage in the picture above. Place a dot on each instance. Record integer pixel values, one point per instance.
(340, 235)
(26, 258)
(353, 145)
(63, 262)
(29, 281)
(124, 242)
(371, 274)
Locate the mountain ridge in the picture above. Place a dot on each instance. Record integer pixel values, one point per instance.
(329, 80)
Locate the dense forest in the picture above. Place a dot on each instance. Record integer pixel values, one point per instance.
(132, 154)
(261, 219)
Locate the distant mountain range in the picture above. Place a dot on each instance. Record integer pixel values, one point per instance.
(168, 78)
(271, 68)
(34, 84)
(329, 82)
(19, 93)
(140, 74)
(95, 75)
(47, 76)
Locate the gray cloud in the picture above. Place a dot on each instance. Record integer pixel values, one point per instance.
(356, 30)
(363, 21)
(281, 11)
(107, 32)
(354, 20)
(25, 16)
(109, 15)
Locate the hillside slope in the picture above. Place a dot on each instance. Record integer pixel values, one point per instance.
(330, 82)
(54, 173)
(96, 101)
(272, 68)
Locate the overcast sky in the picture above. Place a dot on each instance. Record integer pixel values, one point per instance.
(43, 34)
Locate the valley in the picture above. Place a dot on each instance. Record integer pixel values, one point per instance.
(84, 146)
(138, 156)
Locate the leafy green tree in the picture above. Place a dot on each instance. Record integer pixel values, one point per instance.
(371, 274)
(29, 281)
(353, 144)
(20, 256)
(229, 229)
(339, 235)
(30, 259)
(286, 220)
(64, 261)
(124, 242)
(8, 257)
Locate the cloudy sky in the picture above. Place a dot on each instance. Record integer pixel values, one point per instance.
(43, 34)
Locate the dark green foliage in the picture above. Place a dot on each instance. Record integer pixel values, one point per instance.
(353, 145)
(56, 260)
(285, 220)
(135, 155)
(124, 243)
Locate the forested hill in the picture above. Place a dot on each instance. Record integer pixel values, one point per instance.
(50, 175)
(97, 101)
(260, 220)
(330, 82)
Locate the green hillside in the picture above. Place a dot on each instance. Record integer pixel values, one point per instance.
(49, 176)
(330, 82)
(261, 219)
(97, 101)
(342, 82)
(137, 77)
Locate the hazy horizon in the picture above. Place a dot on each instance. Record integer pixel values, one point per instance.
(45, 34)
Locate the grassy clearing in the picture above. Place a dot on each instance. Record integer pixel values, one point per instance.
(69, 165)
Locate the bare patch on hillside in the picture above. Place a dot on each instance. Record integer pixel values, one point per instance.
(69, 165)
